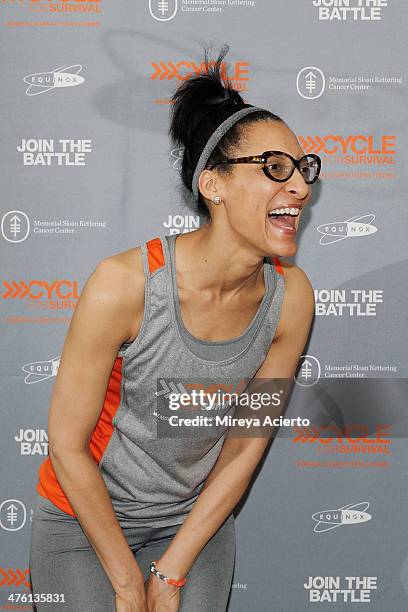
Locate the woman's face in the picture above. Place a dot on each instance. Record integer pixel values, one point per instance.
(248, 195)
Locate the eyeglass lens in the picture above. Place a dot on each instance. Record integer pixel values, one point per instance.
(280, 167)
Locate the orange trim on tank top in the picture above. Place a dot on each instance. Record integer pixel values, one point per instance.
(155, 255)
(48, 485)
(278, 265)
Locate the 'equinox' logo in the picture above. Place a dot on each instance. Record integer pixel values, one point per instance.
(351, 514)
(360, 225)
(40, 82)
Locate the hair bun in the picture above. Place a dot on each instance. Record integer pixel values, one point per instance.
(219, 99)
(229, 96)
(200, 96)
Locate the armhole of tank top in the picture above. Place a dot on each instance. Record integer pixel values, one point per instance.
(128, 346)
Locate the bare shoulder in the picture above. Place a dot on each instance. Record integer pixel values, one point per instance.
(118, 280)
(297, 282)
(122, 269)
(298, 304)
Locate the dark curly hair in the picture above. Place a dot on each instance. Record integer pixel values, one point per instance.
(199, 105)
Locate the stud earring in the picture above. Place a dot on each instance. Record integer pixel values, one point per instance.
(217, 199)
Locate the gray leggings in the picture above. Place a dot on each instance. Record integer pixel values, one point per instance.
(62, 560)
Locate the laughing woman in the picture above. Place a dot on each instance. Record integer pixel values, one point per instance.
(124, 520)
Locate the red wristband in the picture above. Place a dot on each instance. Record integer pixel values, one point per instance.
(179, 583)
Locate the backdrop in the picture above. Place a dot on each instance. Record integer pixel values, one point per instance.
(87, 170)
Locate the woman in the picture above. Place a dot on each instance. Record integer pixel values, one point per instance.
(113, 497)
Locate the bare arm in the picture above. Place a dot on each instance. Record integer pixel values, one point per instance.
(235, 465)
(110, 304)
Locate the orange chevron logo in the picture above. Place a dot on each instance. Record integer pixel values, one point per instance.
(312, 144)
(184, 69)
(163, 71)
(335, 144)
(305, 435)
(14, 577)
(38, 289)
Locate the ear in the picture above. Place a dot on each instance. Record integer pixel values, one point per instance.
(207, 184)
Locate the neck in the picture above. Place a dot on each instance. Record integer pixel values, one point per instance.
(216, 259)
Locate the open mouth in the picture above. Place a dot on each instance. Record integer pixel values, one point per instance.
(284, 218)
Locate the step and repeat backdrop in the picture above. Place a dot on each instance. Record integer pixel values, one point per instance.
(87, 170)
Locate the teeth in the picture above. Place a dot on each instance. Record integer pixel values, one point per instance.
(285, 211)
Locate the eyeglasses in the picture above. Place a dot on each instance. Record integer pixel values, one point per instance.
(279, 166)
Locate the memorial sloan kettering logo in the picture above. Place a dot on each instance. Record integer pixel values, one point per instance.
(354, 227)
(352, 514)
(163, 10)
(308, 371)
(13, 517)
(311, 82)
(41, 82)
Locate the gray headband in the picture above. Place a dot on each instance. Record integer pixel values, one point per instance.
(215, 138)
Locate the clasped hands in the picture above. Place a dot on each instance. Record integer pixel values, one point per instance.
(161, 596)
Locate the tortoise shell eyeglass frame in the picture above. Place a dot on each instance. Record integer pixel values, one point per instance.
(262, 159)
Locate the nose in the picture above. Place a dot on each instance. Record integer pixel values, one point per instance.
(296, 184)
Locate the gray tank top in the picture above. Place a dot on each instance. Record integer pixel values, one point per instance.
(154, 481)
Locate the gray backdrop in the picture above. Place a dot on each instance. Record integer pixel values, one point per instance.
(336, 74)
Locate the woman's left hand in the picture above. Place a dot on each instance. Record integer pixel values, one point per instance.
(160, 596)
